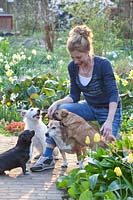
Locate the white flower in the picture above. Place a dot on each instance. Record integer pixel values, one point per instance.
(34, 52)
(49, 57)
(29, 58)
(7, 67)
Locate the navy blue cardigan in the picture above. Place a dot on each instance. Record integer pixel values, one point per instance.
(102, 88)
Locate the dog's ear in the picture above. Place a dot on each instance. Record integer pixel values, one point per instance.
(23, 113)
(64, 113)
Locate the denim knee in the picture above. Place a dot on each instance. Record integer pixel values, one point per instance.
(50, 140)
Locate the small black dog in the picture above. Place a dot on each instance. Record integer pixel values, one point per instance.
(19, 155)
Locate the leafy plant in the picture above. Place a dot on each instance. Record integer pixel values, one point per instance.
(108, 175)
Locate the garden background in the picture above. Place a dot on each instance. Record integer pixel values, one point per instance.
(33, 63)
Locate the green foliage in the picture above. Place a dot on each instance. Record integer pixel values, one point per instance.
(99, 179)
(104, 28)
(4, 45)
(9, 113)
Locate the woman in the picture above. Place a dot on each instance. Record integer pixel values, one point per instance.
(93, 77)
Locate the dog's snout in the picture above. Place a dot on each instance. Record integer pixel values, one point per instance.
(38, 111)
(47, 134)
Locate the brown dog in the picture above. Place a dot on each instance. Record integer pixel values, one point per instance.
(65, 144)
(74, 131)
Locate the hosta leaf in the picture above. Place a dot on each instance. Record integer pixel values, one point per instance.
(110, 196)
(115, 185)
(105, 163)
(31, 90)
(49, 83)
(93, 161)
(84, 185)
(35, 96)
(48, 91)
(62, 182)
(81, 173)
(74, 191)
(130, 94)
(130, 186)
(93, 180)
(86, 195)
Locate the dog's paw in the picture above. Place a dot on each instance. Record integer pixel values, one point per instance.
(26, 172)
(37, 157)
(63, 166)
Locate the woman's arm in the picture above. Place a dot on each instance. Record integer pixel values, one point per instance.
(106, 128)
(54, 106)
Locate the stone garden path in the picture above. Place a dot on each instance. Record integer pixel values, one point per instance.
(35, 186)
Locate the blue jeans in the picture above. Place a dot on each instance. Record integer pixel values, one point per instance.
(89, 113)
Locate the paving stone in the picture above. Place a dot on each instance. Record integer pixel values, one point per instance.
(35, 186)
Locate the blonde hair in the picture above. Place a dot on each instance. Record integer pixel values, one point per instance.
(80, 39)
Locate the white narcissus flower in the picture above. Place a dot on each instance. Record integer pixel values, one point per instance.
(34, 52)
(49, 57)
(7, 67)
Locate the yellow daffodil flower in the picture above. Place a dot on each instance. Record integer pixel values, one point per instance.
(9, 72)
(130, 76)
(124, 82)
(97, 138)
(131, 72)
(11, 79)
(117, 78)
(8, 103)
(130, 158)
(87, 140)
(118, 172)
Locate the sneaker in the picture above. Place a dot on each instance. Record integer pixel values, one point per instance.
(42, 164)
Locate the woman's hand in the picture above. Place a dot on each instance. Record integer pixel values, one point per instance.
(52, 109)
(106, 128)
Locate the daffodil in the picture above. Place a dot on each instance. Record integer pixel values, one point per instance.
(118, 172)
(97, 138)
(61, 62)
(34, 52)
(7, 67)
(130, 158)
(87, 140)
(11, 79)
(9, 72)
(29, 58)
(117, 78)
(124, 82)
(8, 103)
(131, 72)
(68, 83)
(49, 57)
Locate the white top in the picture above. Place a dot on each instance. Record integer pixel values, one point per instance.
(84, 80)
